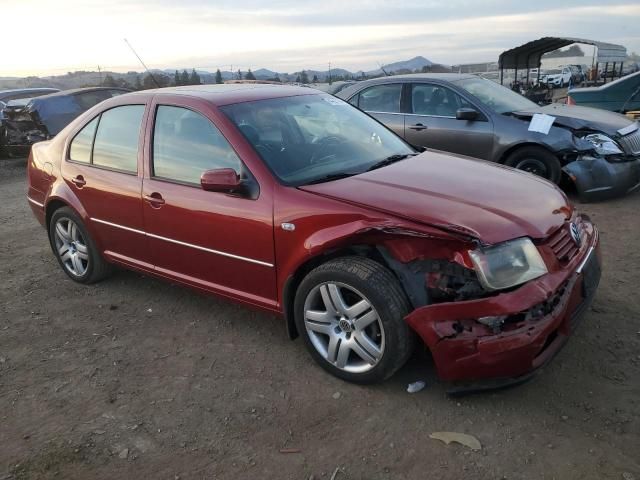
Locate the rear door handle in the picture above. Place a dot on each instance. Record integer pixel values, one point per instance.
(155, 199)
(418, 126)
(79, 181)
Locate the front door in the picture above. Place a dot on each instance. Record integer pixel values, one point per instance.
(431, 122)
(216, 241)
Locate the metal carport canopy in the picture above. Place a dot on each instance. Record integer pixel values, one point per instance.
(529, 55)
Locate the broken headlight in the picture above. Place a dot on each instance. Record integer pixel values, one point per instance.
(603, 145)
(508, 264)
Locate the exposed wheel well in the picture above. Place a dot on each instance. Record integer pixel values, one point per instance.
(52, 206)
(292, 283)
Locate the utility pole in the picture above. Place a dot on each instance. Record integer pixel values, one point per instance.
(329, 73)
(100, 74)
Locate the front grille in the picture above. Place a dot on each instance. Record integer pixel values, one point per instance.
(563, 245)
(631, 143)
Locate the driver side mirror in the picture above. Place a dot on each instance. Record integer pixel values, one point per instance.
(469, 114)
(223, 180)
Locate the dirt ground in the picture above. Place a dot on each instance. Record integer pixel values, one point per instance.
(138, 378)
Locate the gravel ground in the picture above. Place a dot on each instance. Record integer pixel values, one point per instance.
(138, 377)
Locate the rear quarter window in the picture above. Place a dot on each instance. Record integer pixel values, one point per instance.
(116, 143)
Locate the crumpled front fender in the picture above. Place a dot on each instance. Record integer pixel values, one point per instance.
(597, 179)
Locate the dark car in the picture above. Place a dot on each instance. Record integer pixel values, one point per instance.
(40, 118)
(293, 201)
(622, 95)
(599, 151)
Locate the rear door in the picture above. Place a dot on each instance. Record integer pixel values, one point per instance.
(216, 241)
(384, 103)
(431, 122)
(104, 169)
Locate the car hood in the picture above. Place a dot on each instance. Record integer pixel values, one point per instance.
(581, 118)
(483, 200)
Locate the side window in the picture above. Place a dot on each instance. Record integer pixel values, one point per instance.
(116, 144)
(354, 100)
(185, 144)
(381, 98)
(80, 150)
(429, 99)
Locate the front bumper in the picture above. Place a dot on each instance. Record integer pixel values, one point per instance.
(474, 357)
(597, 179)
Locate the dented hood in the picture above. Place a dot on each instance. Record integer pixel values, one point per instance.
(484, 200)
(581, 118)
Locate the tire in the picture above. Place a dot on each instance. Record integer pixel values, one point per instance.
(74, 248)
(536, 160)
(375, 330)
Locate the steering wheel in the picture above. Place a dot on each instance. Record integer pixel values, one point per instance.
(324, 145)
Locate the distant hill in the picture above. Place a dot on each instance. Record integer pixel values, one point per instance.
(89, 78)
(416, 63)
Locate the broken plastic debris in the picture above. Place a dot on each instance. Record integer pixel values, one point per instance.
(462, 438)
(416, 386)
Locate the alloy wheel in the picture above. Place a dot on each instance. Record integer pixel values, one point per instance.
(344, 327)
(71, 247)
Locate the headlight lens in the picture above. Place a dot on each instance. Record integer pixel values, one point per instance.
(508, 264)
(603, 145)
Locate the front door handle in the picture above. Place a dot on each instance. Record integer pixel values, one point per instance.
(79, 181)
(154, 199)
(418, 126)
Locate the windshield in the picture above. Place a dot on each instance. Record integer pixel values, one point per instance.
(553, 72)
(496, 97)
(308, 138)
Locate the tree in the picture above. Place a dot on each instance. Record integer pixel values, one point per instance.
(195, 78)
(109, 81)
(249, 75)
(184, 78)
(239, 75)
(176, 79)
(138, 84)
(315, 79)
(298, 80)
(304, 78)
(218, 76)
(148, 82)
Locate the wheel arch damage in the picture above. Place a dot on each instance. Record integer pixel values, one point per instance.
(411, 252)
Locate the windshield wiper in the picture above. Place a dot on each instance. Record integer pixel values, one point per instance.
(389, 160)
(332, 176)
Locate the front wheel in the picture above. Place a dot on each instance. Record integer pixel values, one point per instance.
(74, 248)
(536, 160)
(350, 312)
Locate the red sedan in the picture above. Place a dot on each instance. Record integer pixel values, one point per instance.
(295, 202)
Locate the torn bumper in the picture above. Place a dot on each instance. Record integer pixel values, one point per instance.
(598, 179)
(474, 357)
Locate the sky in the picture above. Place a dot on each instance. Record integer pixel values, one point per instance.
(49, 37)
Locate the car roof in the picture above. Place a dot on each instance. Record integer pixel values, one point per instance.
(450, 77)
(229, 93)
(14, 91)
(75, 91)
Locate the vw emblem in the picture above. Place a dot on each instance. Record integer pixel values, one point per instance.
(575, 234)
(345, 325)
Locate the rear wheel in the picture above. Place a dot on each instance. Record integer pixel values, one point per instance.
(74, 248)
(536, 160)
(350, 313)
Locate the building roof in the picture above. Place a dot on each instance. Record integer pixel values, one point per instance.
(529, 54)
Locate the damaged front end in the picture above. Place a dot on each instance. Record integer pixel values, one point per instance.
(20, 128)
(607, 166)
(481, 338)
